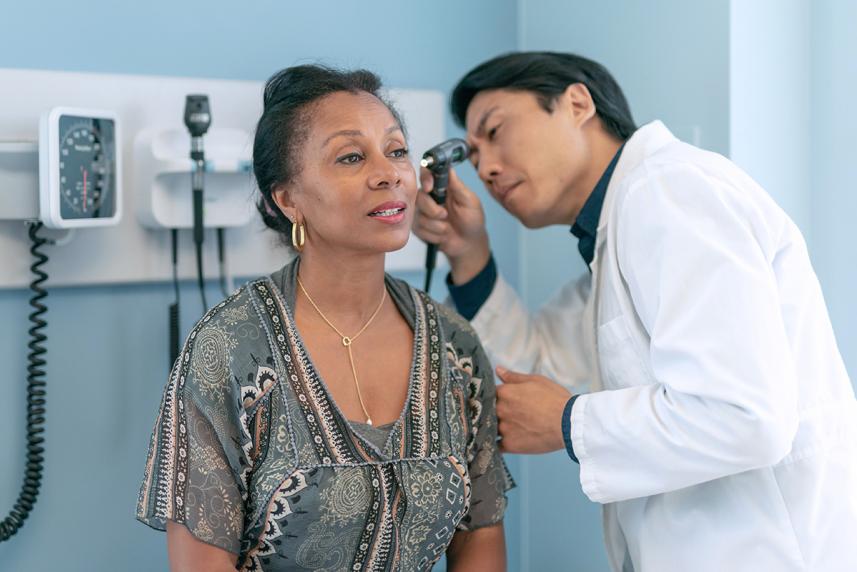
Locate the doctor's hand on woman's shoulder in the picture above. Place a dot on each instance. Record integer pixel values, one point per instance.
(457, 227)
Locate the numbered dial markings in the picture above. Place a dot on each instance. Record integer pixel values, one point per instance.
(84, 169)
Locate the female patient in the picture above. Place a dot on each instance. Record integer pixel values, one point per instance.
(329, 417)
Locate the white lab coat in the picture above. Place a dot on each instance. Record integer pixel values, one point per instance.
(720, 426)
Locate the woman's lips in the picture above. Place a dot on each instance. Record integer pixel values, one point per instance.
(390, 213)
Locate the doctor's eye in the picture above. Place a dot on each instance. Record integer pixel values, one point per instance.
(492, 133)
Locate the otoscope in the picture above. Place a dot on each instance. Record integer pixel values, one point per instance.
(197, 118)
(438, 160)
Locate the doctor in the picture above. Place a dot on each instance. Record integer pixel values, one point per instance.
(718, 427)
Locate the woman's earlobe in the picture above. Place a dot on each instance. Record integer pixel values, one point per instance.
(291, 214)
(282, 201)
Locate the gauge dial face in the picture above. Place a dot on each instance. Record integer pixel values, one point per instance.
(87, 167)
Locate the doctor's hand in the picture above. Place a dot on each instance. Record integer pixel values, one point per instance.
(529, 410)
(457, 227)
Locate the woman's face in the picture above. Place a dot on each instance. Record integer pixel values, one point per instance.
(355, 189)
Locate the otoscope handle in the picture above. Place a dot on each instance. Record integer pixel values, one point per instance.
(197, 186)
(438, 193)
(197, 217)
(441, 183)
(431, 260)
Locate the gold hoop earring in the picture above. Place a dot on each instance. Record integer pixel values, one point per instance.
(298, 236)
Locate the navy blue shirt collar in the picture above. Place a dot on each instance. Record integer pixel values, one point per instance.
(585, 227)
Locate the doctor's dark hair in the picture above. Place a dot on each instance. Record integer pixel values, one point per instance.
(547, 75)
(288, 106)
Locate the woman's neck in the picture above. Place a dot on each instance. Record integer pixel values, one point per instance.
(347, 287)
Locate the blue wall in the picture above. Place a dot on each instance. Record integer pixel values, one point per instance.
(671, 57)
(770, 111)
(833, 191)
(107, 360)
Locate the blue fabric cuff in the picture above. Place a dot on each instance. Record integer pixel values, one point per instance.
(566, 428)
(470, 296)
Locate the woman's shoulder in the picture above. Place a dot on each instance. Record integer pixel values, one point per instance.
(233, 310)
(232, 325)
(450, 320)
(458, 334)
(225, 345)
(453, 321)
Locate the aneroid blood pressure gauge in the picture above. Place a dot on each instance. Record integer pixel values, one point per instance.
(79, 168)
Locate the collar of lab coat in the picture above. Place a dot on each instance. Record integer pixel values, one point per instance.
(647, 140)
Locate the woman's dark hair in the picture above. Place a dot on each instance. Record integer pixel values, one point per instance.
(547, 75)
(284, 126)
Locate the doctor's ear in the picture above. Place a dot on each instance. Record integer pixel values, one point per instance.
(282, 195)
(579, 101)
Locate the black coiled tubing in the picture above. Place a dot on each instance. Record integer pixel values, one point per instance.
(36, 393)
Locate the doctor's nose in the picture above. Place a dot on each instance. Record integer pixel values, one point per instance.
(488, 165)
(488, 170)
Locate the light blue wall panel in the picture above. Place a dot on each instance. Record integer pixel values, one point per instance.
(770, 100)
(833, 190)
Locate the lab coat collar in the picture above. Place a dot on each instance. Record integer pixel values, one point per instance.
(647, 140)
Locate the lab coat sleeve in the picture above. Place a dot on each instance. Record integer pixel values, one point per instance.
(550, 342)
(697, 258)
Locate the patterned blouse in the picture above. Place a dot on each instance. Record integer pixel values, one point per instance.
(251, 453)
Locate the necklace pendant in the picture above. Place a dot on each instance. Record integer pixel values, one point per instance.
(369, 421)
(346, 341)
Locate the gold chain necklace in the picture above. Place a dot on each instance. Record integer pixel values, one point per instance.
(347, 341)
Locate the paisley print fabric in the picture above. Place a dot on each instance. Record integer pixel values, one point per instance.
(251, 453)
